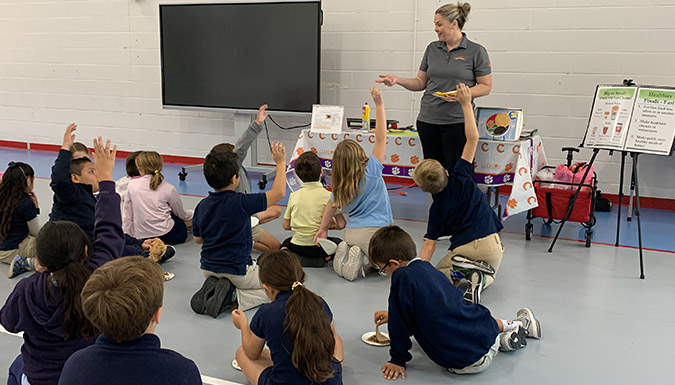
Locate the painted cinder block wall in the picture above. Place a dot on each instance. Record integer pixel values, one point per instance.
(97, 63)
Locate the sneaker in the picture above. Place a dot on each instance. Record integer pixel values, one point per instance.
(465, 263)
(215, 304)
(198, 300)
(530, 324)
(168, 254)
(19, 265)
(473, 291)
(353, 265)
(340, 254)
(512, 340)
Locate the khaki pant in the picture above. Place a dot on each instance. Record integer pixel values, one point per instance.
(26, 249)
(483, 363)
(489, 249)
(360, 237)
(250, 292)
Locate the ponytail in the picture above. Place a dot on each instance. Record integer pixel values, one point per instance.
(151, 164)
(306, 323)
(62, 249)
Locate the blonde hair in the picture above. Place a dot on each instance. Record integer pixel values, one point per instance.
(151, 164)
(349, 170)
(430, 176)
(452, 12)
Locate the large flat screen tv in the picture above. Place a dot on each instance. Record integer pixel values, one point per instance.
(241, 55)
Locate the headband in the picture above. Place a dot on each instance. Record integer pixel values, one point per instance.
(12, 164)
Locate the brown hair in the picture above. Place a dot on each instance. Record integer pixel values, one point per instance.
(77, 146)
(349, 170)
(431, 176)
(308, 167)
(452, 12)
(151, 163)
(307, 324)
(223, 147)
(391, 242)
(132, 170)
(121, 297)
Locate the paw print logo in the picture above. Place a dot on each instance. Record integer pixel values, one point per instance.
(508, 167)
(292, 182)
(489, 179)
(328, 164)
(512, 203)
(475, 164)
(395, 158)
(410, 171)
(299, 151)
(507, 178)
(314, 150)
(395, 171)
(414, 159)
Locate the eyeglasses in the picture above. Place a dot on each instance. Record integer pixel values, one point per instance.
(383, 268)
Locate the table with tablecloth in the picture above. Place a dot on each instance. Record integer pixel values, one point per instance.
(496, 163)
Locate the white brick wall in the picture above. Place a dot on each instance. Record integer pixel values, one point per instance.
(96, 62)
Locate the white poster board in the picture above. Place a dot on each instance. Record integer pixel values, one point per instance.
(652, 128)
(631, 118)
(327, 119)
(610, 117)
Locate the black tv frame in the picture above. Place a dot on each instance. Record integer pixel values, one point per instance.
(243, 109)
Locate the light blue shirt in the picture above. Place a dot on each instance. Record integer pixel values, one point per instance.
(371, 207)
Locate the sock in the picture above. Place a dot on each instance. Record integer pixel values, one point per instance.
(31, 263)
(510, 325)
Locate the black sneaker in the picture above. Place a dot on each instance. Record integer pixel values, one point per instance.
(512, 340)
(473, 291)
(215, 303)
(198, 300)
(461, 262)
(168, 254)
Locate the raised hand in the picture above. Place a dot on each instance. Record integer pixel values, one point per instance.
(104, 159)
(69, 136)
(262, 114)
(463, 94)
(388, 80)
(278, 153)
(376, 93)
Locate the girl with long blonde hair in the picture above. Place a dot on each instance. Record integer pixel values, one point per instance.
(152, 207)
(359, 189)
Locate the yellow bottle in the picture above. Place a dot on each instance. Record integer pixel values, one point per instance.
(365, 117)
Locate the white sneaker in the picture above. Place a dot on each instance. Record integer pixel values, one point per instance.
(530, 324)
(340, 254)
(512, 340)
(353, 265)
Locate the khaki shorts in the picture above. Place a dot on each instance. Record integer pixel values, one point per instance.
(360, 236)
(257, 232)
(481, 364)
(26, 249)
(250, 292)
(488, 249)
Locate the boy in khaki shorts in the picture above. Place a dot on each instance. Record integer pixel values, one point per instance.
(461, 210)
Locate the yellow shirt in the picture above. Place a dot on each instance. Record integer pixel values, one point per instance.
(305, 210)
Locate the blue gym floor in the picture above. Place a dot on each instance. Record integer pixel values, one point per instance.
(600, 322)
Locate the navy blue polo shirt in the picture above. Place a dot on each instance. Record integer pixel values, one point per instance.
(461, 210)
(18, 228)
(223, 220)
(139, 361)
(268, 324)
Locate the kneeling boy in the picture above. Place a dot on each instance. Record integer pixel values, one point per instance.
(462, 337)
(460, 209)
(123, 299)
(222, 223)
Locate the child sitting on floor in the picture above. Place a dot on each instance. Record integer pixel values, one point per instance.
(262, 240)
(297, 327)
(152, 207)
(461, 210)
(303, 213)
(222, 223)
(46, 306)
(122, 184)
(19, 224)
(359, 190)
(462, 337)
(123, 299)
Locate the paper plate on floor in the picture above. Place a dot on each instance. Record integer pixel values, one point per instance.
(327, 245)
(235, 365)
(369, 338)
(254, 221)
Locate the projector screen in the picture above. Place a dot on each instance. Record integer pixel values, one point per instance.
(241, 55)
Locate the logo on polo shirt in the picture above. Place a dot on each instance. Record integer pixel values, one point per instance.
(460, 58)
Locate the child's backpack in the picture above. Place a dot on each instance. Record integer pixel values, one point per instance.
(217, 295)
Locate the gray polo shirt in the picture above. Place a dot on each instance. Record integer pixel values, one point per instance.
(445, 70)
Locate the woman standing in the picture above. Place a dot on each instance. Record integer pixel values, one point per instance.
(451, 60)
